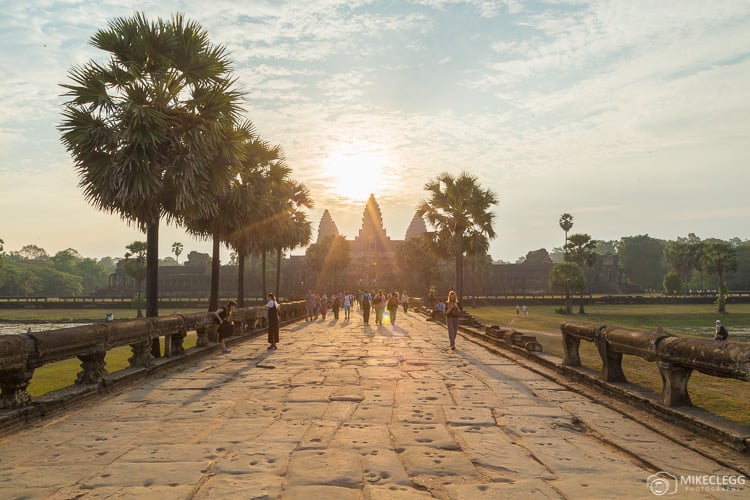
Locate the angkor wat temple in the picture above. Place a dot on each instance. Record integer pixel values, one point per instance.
(373, 264)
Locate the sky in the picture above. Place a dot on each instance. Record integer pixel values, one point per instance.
(632, 116)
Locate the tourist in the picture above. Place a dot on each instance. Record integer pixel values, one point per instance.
(405, 301)
(721, 332)
(310, 305)
(518, 310)
(225, 325)
(393, 301)
(439, 310)
(272, 308)
(453, 311)
(324, 306)
(347, 303)
(365, 302)
(378, 302)
(525, 310)
(336, 305)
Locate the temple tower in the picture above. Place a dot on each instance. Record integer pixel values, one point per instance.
(326, 227)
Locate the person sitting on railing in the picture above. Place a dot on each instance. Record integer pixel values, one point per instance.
(721, 332)
(438, 311)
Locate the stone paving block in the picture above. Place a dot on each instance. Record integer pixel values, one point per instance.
(367, 373)
(362, 437)
(318, 435)
(133, 492)
(421, 391)
(339, 411)
(146, 475)
(169, 433)
(498, 455)
(374, 413)
(43, 476)
(532, 488)
(263, 461)
(254, 408)
(315, 492)
(384, 467)
(421, 460)
(348, 393)
(309, 410)
(330, 467)
(419, 414)
(256, 486)
(305, 393)
(308, 377)
(479, 397)
(172, 453)
(428, 435)
(462, 415)
(392, 492)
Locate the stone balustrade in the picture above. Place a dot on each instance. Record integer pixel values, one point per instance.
(675, 357)
(21, 354)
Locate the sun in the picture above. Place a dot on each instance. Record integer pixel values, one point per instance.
(357, 169)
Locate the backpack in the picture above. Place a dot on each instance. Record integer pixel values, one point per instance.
(723, 333)
(365, 300)
(393, 301)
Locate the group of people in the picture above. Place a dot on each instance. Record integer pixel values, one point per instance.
(225, 324)
(317, 306)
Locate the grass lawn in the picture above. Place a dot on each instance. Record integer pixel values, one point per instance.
(722, 396)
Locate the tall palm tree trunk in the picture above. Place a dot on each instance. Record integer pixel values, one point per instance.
(263, 274)
(278, 272)
(241, 279)
(213, 298)
(152, 278)
(459, 276)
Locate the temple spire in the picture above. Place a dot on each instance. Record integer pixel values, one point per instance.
(326, 227)
(417, 227)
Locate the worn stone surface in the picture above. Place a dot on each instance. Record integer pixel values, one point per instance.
(346, 411)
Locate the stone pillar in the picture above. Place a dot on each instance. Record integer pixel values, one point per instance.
(571, 345)
(93, 368)
(13, 384)
(675, 380)
(611, 361)
(142, 356)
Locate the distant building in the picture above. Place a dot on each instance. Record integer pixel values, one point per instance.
(373, 265)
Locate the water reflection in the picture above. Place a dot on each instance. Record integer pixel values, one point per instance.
(16, 328)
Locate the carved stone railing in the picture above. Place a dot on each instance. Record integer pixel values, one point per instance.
(21, 354)
(675, 357)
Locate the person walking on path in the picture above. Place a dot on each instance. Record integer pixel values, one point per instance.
(310, 305)
(405, 302)
(378, 302)
(365, 301)
(393, 301)
(347, 304)
(223, 317)
(272, 307)
(453, 311)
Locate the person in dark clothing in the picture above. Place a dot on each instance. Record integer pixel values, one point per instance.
(272, 307)
(223, 317)
(365, 302)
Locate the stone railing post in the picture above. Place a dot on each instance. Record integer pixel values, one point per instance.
(92, 368)
(15, 370)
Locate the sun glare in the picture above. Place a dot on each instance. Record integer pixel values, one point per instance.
(358, 169)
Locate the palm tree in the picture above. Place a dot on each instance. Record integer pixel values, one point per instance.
(145, 127)
(580, 249)
(177, 250)
(459, 211)
(566, 224)
(226, 204)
